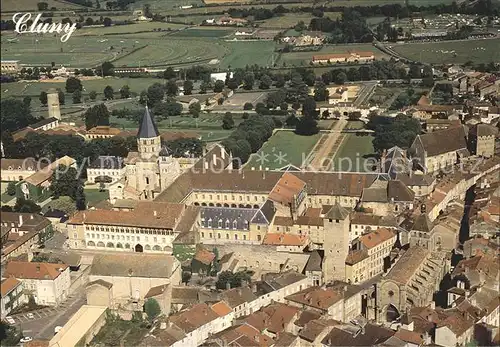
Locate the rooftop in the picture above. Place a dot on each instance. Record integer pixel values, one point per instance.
(376, 237)
(34, 270)
(317, 297)
(407, 264)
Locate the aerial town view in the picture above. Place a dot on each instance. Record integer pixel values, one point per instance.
(250, 173)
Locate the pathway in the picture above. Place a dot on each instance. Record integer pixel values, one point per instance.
(322, 159)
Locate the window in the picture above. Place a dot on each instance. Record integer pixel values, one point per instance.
(244, 237)
(147, 180)
(202, 234)
(236, 236)
(210, 223)
(220, 224)
(227, 224)
(218, 235)
(227, 236)
(258, 237)
(235, 225)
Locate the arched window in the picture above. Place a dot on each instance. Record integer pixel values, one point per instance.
(119, 245)
(100, 244)
(147, 247)
(235, 224)
(220, 224)
(156, 248)
(127, 246)
(227, 223)
(91, 244)
(110, 245)
(210, 222)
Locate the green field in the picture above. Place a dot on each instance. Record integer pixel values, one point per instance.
(152, 27)
(455, 52)
(286, 21)
(283, 148)
(33, 89)
(248, 53)
(357, 148)
(27, 5)
(304, 58)
(202, 33)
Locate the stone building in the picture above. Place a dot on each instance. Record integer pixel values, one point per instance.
(482, 139)
(53, 104)
(106, 169)
(368, 255)
(411, 282)
(150, 170)
(127, 280)
(147, 227)
(432, 154)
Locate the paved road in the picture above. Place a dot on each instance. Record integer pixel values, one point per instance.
(365, 93)
(45, 320)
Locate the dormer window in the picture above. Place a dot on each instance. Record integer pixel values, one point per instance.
(227, 224)
(220, 223)
(235, 225)
(246, 224)
(210, 223)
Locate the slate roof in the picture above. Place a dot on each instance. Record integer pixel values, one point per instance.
(484, 130)
(101, 283)
(337, 212)
(315, 261)
(395, 162)
(373, 335)
(107, 162)
(147, 128)
(406, 266)
(443, 141)
(238, 296)
(238, 218)
(422, 223)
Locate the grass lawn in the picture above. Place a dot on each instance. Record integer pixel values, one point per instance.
(355, 124)
(456, 52)
(248, 53)
(304, 58)
(357, 148)
(283, 148)
(130, 28)
(94, 195)
(30, 5)
(286, 21)
(201, 32)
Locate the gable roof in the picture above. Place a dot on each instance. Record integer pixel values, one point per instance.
(443, 141)
(8, 285)
(147, 128)
(33, 270)
(422, 223)
(337, 212)
(287, 189)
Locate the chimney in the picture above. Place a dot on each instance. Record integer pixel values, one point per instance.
(223, 153)
(31, 216)
(155, 214)
(228, 285)
(214, 158)
(433, 305)
(163, 325)
(206, 164)
(37, 268)
(20, 220)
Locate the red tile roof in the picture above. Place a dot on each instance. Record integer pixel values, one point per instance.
(37, 271)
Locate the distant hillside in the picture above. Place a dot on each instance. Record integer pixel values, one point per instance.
(31, 5)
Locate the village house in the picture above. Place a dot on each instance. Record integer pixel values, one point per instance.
(18, 169)
(343, 57)
(106, 169)
(362, 222)
(47, 283)
(22, 232)
(482, 138)
(377, 246)
(13, 295)
(274, 319)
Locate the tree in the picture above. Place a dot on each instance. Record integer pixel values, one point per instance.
(65, 182)
(9, 335)
(186, 276)
(309, 107)
(80, 199)
(169, 73)
(167, 109)
(155, 94)
(204, 87)
(107, 69)
(61, 96)
(248, 106)
(389, 132)
(232, 84)
(27, 101)
(320, 91)
(249, 80)
(195, 109)
(265, 82)
(125, 92)
(43, 98)
(109, 93)
(14, 115)
(298, 90)
(152, 308)
(185, 147)
(107, 22)
(218, 86)
(96, 115)
(77, 97)
(42, 6)
(72, 84)
(340, 78)
(300, 26)
(280, 81)
(171, 88)
(63, 203)
(26, 206)
(11, 188)
(306, 126)
(188, 87)
(92, 95)
(228, 279)
(227, 121)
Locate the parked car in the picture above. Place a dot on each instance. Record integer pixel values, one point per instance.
(10, 320)
(26, 339)
(31, 315)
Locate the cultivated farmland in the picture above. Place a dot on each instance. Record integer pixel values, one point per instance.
(249, 53)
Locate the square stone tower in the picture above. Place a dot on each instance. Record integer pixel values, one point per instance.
(53, 104)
